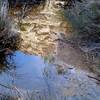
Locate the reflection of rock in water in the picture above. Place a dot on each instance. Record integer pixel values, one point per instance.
(14, 3)
(3, 9)
(38, 27)
(5, 63)
(9, 42)
(8, 37)
(5, 97)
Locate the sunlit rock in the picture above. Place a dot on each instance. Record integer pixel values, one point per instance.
(37, 29)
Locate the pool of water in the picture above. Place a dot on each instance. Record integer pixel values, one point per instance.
(30, 77)
(27, 73)
(26, 69)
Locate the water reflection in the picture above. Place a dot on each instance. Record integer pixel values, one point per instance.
(23, 73)
(29, 77)
(38, 27)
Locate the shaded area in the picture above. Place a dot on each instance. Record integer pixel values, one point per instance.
(14, 3)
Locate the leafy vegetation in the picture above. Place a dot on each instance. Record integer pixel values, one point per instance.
(85, 17)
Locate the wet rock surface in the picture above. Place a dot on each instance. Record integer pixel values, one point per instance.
(39, 29)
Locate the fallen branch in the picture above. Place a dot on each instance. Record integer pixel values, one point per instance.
(94, 78)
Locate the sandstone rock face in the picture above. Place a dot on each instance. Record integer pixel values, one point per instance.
(14, 3)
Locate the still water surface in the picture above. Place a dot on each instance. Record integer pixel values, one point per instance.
(30, 77)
